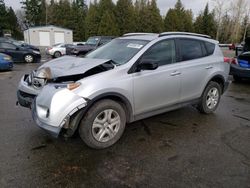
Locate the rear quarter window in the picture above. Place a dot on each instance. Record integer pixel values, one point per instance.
(210, 47)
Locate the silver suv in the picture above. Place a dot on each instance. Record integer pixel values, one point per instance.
(131, 78)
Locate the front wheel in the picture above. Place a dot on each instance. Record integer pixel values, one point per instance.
(28, 58)
(103, 124)
(210, 98)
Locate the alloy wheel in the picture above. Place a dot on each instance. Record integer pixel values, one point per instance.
(106, 125)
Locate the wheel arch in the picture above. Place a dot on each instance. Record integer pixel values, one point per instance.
(121, 99)
(77, 117)
(218, 79)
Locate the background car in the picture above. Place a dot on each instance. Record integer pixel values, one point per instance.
(232, 46)
(58, 50)
(91, 44)
(18, 43)
(6, 62)
(240, 66)
(20, 54)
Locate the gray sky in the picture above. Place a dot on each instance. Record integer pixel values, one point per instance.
(164, 5)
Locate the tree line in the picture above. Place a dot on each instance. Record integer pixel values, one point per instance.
(104, 17)
(8, 21)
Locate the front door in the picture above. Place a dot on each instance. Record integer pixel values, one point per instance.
(156, 89)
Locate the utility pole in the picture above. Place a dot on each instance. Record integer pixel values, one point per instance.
(46, 13)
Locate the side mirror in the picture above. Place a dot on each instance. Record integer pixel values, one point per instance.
(147, 65)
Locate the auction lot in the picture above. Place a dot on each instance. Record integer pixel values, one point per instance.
(182, 148)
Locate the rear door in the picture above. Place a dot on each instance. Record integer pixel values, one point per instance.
(196, 67)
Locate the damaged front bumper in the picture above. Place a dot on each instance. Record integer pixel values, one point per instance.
(26, 93)
(53, 107)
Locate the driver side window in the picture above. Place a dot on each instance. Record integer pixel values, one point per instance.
(162, 53)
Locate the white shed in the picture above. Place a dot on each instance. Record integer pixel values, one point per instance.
(49, 35)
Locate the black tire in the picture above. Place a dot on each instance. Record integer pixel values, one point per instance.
(237, 79)
(57, 54)
(86, 126)
(202, 105)
(28, 58)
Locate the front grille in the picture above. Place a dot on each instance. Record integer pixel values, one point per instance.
(26, 95)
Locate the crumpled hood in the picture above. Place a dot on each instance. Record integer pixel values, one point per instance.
(68, 65)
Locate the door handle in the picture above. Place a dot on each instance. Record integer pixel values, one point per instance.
(209, 67)
(175, 73)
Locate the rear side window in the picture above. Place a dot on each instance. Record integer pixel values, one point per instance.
(190, 49)
(7, 46)
(209, 47)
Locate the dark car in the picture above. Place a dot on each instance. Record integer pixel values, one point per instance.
(6, 62)
(240, 66)
(20, 54)
(17, 43)
(91, 44)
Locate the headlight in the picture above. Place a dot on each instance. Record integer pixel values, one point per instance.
(36, 52)
(69, 86)
(72, 86)
(8, 58)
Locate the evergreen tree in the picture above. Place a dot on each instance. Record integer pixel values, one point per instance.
(77, 16)
(106, 5)
(13, 25)
(179, 19)
(92, 20)
(125, 16)
(3, 17)
(205, 23)
(171, 20)
(62, 12)
(108, 25)
(143, 16)
(32, 11)
(155, 19)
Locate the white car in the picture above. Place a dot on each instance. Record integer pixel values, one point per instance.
(57, 50)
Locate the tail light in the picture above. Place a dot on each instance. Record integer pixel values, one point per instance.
(227, 60)
(234, 61)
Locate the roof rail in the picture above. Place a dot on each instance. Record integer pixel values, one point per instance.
(184, 33)
(137, 34)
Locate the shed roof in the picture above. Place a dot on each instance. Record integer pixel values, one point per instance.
(48, 26)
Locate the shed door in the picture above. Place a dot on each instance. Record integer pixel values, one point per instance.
(44, 38)
(59, 37)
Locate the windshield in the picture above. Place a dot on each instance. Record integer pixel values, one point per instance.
(120, 51)
(17, 43)
(92, 41)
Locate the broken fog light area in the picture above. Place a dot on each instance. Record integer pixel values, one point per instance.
(39, 78)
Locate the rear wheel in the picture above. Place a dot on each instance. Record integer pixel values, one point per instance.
(210, 98)
(28, 58)
(103, 124)
(57, 54)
